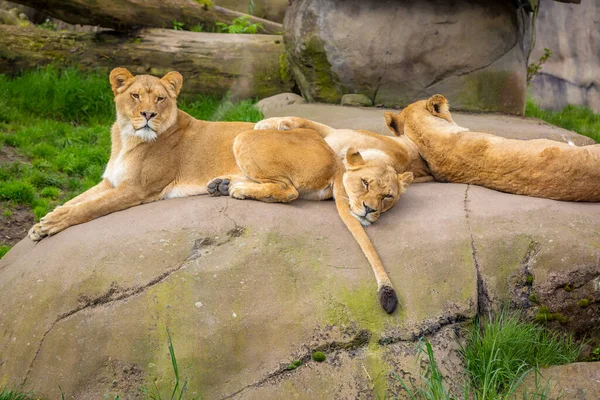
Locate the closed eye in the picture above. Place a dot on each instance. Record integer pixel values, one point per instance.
(365, 184)
(388, 196)
(159, 99)
(135, 96)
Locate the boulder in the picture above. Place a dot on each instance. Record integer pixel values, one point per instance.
(271, 103)
(577, 381)
(247, 288)
(570, 76)
(359, 100)
(474, 53)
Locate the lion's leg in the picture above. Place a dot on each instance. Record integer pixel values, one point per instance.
(263, 190)
(109, 201)
(90, 193)
(423, 179)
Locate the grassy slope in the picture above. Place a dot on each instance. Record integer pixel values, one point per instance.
(60, 121)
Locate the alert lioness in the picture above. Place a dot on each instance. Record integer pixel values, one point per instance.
(538, 167)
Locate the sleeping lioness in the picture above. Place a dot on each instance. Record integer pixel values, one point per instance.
(161, 152)
(538, 167)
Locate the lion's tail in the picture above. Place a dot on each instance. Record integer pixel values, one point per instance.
(387, 295)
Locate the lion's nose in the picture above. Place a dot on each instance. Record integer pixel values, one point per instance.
(148, 115)
(368, 209)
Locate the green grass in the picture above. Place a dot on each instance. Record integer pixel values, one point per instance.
(59, 120)
(498, 354)
(575, 118)
(6, 394)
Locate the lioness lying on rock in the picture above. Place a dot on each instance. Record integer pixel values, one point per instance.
(161, 152)
(539, 167)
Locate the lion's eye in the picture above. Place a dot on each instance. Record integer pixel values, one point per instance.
(159, 99)
(365, 183)
(388, 197)
(135, 96)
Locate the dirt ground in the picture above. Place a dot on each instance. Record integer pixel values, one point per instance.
(15, 220)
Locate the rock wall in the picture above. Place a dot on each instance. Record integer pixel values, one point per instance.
(474, 52)
(571, 75)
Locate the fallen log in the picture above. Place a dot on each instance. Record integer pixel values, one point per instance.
(133, 14)
(211, 63)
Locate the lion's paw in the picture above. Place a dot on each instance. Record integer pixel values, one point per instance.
(277, 123)
(218, 187)
(239, 191)
(36, 234)
(51, 224)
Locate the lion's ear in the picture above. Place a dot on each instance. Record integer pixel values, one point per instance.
(172, 82)
(353, 158)
(437, 104)
(404, 180)
(393, 122)
(120, 79)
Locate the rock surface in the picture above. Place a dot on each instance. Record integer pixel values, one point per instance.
(578, 381)
(246, 288)
(273, 10)
(570, 76)
(474, 53)
(359, 100)
(269, 104)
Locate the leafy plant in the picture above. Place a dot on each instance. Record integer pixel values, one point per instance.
(178, 26)
(197, 28)
(241, 24)
(534, 68)
(48, 25)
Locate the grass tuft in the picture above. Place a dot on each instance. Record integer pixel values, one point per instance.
(575, 118)
(6, 394)
(499, 353)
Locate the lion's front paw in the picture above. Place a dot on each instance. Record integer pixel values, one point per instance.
(277, 123)
(52, 223)
(36, 234)
(218, 187)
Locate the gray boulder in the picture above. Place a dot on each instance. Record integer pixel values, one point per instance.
(356, 100)
(473, 52)
(570, 76)
(271, 103)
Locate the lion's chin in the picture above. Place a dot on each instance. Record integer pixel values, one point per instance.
(146, 134)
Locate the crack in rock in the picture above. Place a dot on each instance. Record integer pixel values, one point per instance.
(522, 293)
(430, 328)
(116, 293)
(483, 298)
(361, 339)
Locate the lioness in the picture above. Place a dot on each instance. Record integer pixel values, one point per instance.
(539, 167)
(400, 152)
(274, 168)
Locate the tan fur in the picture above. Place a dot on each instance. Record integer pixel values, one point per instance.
(539, 167)
(175, 156)
(402, 153)
(273, 168)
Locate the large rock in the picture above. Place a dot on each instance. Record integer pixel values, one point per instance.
(570, 76)
(246, 288)
(474, 53)
(577, 381)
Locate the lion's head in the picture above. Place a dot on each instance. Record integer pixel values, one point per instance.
(433, 112)
(146, 105)
(373, 187)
